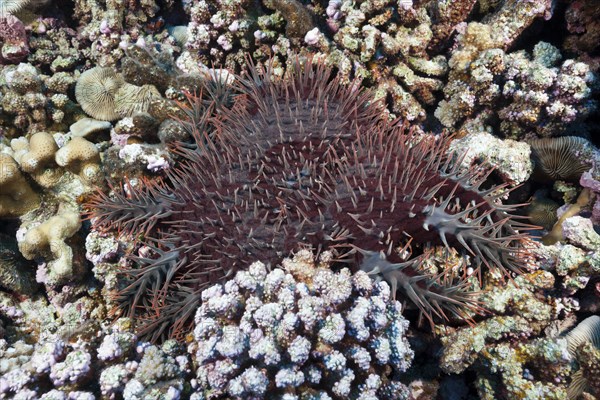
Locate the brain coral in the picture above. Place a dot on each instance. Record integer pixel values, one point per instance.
(305, 161)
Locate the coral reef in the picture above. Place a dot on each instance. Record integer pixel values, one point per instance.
(45, 162)
(563, 158)
(520, 92)
(107, 27)
(300, 329)
(16, 275)
(36, 157)
(216, 135)
(82, 157)
(96, 90)
(583, 26)
(107, 363)
(359, 345)
(88, 126)
(500, 367)
(13, 38)
(584, 345)
(510, 159)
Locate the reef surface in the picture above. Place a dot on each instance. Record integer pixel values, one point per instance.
(299, 199)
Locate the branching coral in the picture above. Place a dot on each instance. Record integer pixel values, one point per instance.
(306, 161)
(218, 29)
(523, 93)
(32, 102)
(61, 49)
(100, 363)
(109, 26)
(300, 329)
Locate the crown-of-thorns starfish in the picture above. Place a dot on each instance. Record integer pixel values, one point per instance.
(305, 161)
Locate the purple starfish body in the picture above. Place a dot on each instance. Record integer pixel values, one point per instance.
(305, 161)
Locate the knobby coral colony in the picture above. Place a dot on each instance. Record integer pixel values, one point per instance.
(306, 161)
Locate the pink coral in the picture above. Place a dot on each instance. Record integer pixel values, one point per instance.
(589, 181)
(14, 40)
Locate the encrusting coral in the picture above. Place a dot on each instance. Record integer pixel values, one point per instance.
(307, 161)
(88, 126)
(13, 39)
(507, 368)
(510, 159)
(297, 330)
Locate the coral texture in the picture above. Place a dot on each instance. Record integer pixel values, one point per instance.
(306, 161)
(16, 195)
(300, 329)
(32, 102)
(107, 363)
(14, 47)
(520, 91)
(49, 238)
(96, 90)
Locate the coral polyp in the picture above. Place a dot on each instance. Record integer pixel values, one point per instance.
(304, 161)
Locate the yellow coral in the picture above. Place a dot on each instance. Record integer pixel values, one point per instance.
(82, 157)
(36, 157)
(42, 148)
(16, 196)
(48, 239)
